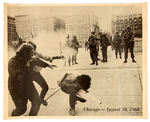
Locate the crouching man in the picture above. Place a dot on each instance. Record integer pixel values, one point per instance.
(72, 84)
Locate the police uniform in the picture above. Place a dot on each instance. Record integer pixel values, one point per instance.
(93, 49)
(128, 44)
(104, 43)
(117, 43)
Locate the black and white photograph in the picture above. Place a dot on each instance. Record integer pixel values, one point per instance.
(75, 60)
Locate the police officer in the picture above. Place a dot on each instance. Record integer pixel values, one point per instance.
(104, 43)
(117, 43)
(93, 48)
(128, 43)
(122, 37)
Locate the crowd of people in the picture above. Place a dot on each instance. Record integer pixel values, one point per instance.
(121, 42)
(25, 67)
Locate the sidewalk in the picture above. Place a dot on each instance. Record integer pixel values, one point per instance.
(115, 84)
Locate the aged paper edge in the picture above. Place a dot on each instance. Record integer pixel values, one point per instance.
(144, 62)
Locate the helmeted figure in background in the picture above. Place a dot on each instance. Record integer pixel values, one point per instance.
(104, 43)
(18, 83)
(93, 48)
(117, 43)
(128, 40)
(122, 37)
(75, 46)
(68, 51)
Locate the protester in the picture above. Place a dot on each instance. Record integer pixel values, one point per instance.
(35, 65)
(72, 84)
(17, 81)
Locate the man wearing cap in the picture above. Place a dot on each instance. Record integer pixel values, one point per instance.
(128, 44)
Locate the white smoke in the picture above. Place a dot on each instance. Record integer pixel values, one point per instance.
(48, 43)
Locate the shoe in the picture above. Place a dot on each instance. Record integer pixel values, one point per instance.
(105, 61)
(92, 63)
(82, 100)
(102, 61)
(120, 57)
(44, 102)
(125, 61)
(72, 112)
(76, 63)
(133, 61)
(96, 63)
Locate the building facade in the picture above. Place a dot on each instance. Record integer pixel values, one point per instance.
(120, 22)
(11, 28)
(81, 26)
(30, 26)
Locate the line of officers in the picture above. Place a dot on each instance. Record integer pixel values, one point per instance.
(125, 42)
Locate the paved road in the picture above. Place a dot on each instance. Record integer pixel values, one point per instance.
(116, 85)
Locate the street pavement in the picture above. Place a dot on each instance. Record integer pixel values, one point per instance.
(116, 88)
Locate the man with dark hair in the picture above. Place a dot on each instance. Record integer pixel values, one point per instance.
(17, 81)
(72, 84)
(93, 48)
(128, 43)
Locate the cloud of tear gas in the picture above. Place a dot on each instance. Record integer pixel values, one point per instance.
(48, 43)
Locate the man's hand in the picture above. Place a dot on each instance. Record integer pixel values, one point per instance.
(50, 60)
(51, 66)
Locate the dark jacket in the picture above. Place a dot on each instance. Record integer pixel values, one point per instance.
(117, 41)
(128, 37)
(92, 42)
(17, 79)
(104, 41)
